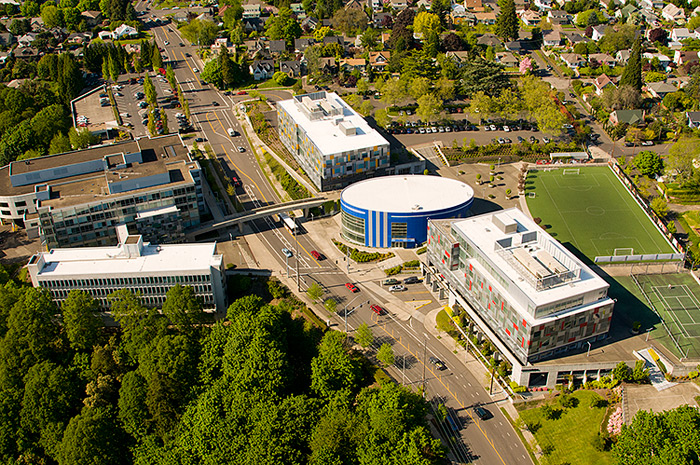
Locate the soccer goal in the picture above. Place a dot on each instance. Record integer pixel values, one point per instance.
(623, 251)
(531, 195)
(570, 171)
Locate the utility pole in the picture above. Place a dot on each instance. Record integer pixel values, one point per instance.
(425, 350)
(296, 251)
(493, 368)
(347, 258)
(403, 372)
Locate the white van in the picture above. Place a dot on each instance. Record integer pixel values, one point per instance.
(231, 132)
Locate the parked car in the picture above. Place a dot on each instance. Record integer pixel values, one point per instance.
(411, 280)
(438, 363)
(397, 288)
(316, 255)
(287, 252)
(647, 143)
(241, 149)
(391, 281)
(546, 140)
(215, 103)
(352, 287)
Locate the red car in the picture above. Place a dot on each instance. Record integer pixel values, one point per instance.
(377, 309)
(352, 287)
(242, 92)
(316, 255)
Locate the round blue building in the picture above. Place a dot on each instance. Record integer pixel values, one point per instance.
(393, 211)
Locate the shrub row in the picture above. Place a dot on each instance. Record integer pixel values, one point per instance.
(359, 256)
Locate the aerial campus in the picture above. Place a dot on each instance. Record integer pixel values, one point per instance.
(350, 232)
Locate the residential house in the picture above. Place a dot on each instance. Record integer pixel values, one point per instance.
(422, 3)
(507, 59)
(488, 18)
(601, 83)
(680, 81)
(651, 18)
(79, 38)
(125, 32)
(37, 24)
(353, 64)
(622, 56)
(558, 17)
(602, 58)
(515, 46)
(625, 12)
(682, 57)
(334, 40)
(375, 5)
(382, 19)
(277, 46)
(473, 5)
(530, 18)
(660, 89)
(693, 119)
(252, 10)
(544, 5)
(262, 69)
(355, 5)
(7, 39)
(679, 34)
(460, 15)
(253, 47)
(92, 17)
(551, 39)
(379, 60)
(598, 32)
(631, 117)
(664, 61)
(459, 58)
(398, 4)
(489, 40)
(293, 68)
(220, 42)
(309, 23)
(297, 9)
(573, 60)
(652, 4)
(27, 53)
(28, 39)
(672, 13)
(385, 37)
(253, 25)
(573, 37)
(302, 44)
(327, 65)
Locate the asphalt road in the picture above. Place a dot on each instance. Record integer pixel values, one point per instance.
(489, 442)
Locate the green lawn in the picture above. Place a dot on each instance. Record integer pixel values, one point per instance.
(592, 213)
(572, 433)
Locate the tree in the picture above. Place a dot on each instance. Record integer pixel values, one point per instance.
(507, 23)
(80, 319)
(480, 75)
(133, 412)
(81, 138)
(364, 335)
(385, 354)
(349, 21)
(621, 372)
(429, 107)
(333, 371)
(632, 74)
(681, 156)
(91, 437)
(425, 23)
(649, 163)
(281, 78)
(330, 305)
(369, 39)
(453, 43)
(59, 143)
(156, 59)
(150, 90)
(183, 308)
(394, 92)
(52, 16)
(659, 206)
(419, 87)
(314, 292)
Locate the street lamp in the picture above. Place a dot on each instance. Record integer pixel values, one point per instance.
(345, 312)
(425, 349)
(589, 348)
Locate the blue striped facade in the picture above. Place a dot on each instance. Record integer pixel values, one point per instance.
(378, 223)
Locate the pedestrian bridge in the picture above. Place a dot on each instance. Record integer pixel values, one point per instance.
(237, 219)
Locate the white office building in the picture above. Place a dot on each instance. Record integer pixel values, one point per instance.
(332, 143)
(532, 297)
(149, 270)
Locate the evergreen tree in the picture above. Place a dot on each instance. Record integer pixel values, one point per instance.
(156, 59)
(632, 74)
(507, 21)
(228, 71)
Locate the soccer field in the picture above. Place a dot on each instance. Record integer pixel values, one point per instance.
(592, 212)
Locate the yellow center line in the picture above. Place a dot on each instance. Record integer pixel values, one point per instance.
(476, 422)
(184, 58)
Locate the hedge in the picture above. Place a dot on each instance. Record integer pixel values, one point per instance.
(359, 256)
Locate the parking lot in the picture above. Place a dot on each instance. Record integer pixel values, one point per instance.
(125, 94)
(93, 111)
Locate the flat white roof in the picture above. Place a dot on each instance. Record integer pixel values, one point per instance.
(484, 233)
(155, 260)
(329, 136)
(407, 193)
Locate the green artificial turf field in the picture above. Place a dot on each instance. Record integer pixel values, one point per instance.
(592, 211)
